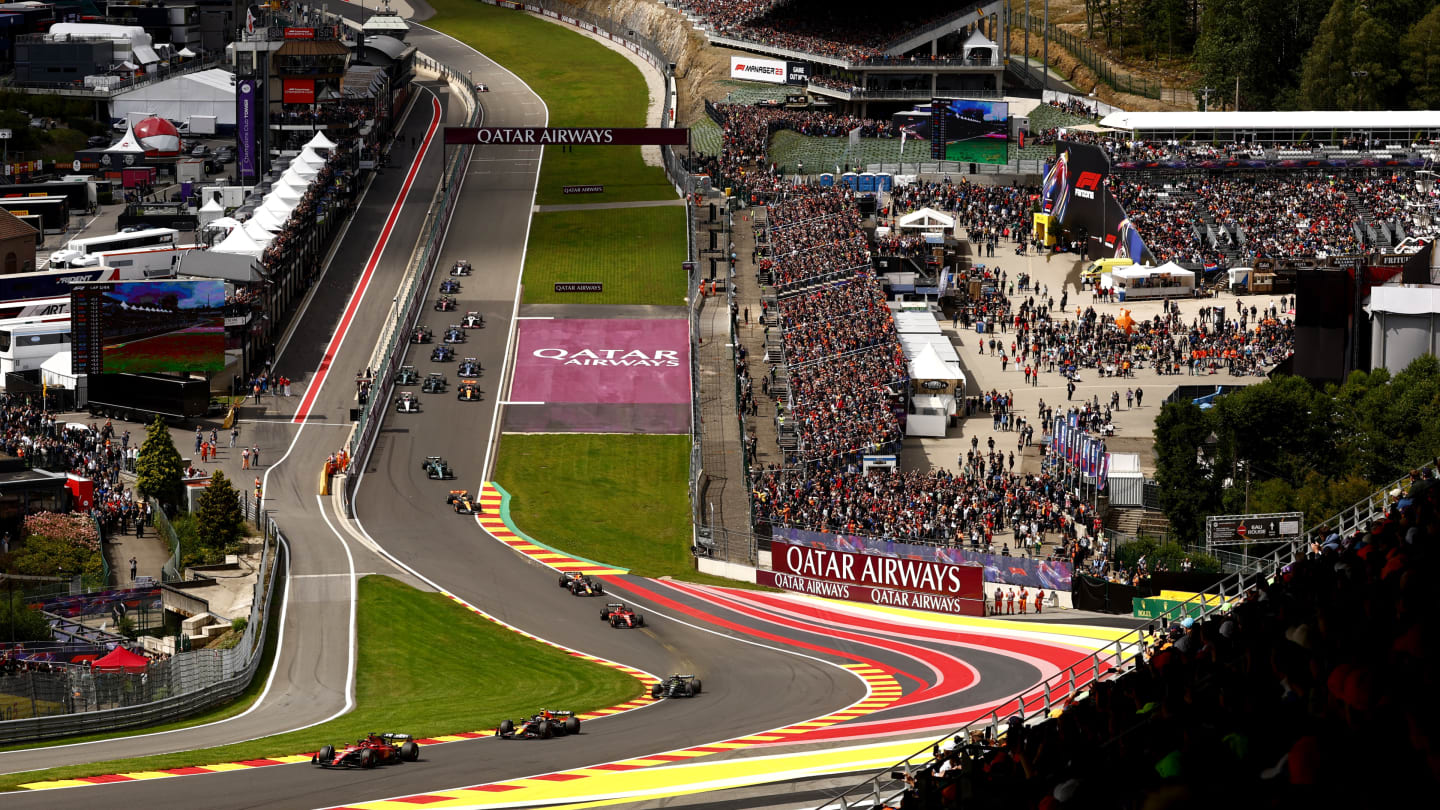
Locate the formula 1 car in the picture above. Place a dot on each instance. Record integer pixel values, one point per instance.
(473, 320)
(469, 392)
(470, 367)
(544, 725)
(442, 354)
(449, 287)
(445, 304)
(585, 586)
(481, 88)
(460, 268)
(454, 334)
(567, 576)
(369, 751)
(621, 616)
(435, 383)
(676, 686)
(407, 403)
(407, 375)
(463, 503)
(422, 334)
(436, 468)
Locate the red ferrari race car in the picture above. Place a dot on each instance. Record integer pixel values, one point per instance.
(621, 616)
(548, 723)
(367, 752)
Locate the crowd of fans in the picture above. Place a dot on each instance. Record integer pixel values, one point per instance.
(859, 32)
(1295, 693)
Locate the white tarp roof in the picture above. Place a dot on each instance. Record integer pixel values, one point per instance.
(241, 243)
(185, 52)
(320, 142)
(128, 143)
(912, 323)
(1301, 120)
(1408, 299)
(977, 40)
(1134, 271)
(310, 157)
(928, 366)
(385, 22)
(1125, 465)
(280, 208)
(925, 218)
(269, 220)
(286, 194)
(212, 205)
(206, 92)
(258, 232)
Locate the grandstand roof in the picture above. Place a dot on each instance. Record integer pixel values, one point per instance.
(1302, 120)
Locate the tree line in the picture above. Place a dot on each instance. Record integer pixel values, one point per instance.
(1285, 445)
(1287, 54)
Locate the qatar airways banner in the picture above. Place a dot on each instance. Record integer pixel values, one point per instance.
(757, 70)
(1052, 575)
(567, 136)
(611, 360)
(919, 584)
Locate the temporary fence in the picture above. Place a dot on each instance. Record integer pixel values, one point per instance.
(171, 570)
(1092, 59)
(54, 700)
(1074, 682)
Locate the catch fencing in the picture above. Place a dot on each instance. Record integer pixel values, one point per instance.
(49, 701)
(1092, 59)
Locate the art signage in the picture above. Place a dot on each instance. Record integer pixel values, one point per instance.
(567, 136)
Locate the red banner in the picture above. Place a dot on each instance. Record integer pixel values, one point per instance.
(299, 33)
(299, 91)
(566, 136)
(959, 606)
(878, 571)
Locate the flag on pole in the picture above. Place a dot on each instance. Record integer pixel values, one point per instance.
(250, 20)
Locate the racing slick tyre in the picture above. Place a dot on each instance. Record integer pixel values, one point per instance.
(689, 690)
(507, 728)
(697, 686)
(546, 730)
(639, 620)
(367, 758)
(572, 725)
(562, 582)
(326, 755)
(614, 623)
(599, 589)
(604, 614)
(410, 751)
(657, 690)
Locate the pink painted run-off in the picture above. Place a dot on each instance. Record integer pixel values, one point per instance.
(621, 361)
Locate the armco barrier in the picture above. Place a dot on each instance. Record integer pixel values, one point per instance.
(186, 683)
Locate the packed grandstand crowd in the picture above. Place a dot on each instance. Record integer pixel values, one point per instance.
(858, 32)
(1282, 696)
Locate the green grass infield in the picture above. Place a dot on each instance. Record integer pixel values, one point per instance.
(635, 252)
(406, 682)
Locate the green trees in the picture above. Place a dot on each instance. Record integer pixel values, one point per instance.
(1189, 490)
(19, 623)
(219, 526)
(158, 468)
(1422, 65)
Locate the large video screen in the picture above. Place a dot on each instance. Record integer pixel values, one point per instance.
(140, 327)
(970, 130)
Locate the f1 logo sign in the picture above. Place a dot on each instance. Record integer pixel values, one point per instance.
(1086, 184)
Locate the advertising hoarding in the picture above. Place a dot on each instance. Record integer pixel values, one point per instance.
(247, 111)
(877, 579)
(998, 568)
(567, 136)
(797, 73)
(1074, 192)
(149, 326)
(754, 69)
(298, 91)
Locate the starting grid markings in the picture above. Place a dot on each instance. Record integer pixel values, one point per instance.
(881, 690)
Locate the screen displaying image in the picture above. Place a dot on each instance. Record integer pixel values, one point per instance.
(970, 130)
(157, 326)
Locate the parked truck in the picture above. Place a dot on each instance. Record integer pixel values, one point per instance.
(141, 397)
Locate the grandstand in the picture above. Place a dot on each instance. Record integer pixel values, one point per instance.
(1336, 129)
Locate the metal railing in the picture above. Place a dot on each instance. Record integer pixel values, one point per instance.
(66, 701)
(170, 572)
(1091, 58)
(1073, 682)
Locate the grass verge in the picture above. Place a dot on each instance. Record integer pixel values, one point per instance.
(406, 682)
(636, 252)
(584, 84)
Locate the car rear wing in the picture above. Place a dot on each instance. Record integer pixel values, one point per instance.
(615, 605)
(459, 492)
(395, 735)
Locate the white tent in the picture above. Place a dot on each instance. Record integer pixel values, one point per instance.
(185, 53)
(928, 366)
(210, 211)
(319, 142)
(206, 92)
(278, 207)
(225, 224)
(269, 220)
(926, 219)
(258, 232)
(240, 243)
(309, 157)
(293, 182)
(978, 46)
(128, 143)
(286, 194)
(1170, 279)
(298, 175)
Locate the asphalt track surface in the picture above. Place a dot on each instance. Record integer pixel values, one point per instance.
(765, 663)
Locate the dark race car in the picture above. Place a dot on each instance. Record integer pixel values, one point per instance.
(567, 576)
(619, 615)
(460, 268)
(367, 752)
(543, 726)
(435, 383)
(407, 375)
(469, 392)
(473, 320)
(676, 686)
(442, 354)
(445, 304)
(437, 468)
(449, 286)
(422, 334)
(407, 403)
(585, 586)
(470, 367)
(463, 503)
(454, 334)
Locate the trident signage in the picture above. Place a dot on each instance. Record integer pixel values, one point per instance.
(567, 136)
